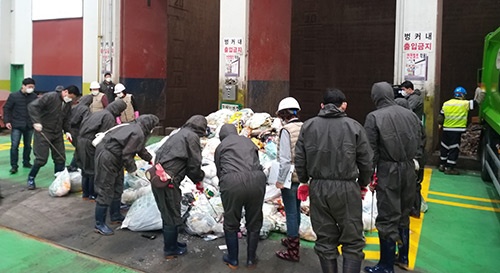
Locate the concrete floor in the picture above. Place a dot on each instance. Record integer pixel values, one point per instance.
(68, 222)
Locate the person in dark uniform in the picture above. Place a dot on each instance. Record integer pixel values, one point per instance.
(117, 151)
(242, 185)
(78, 113)
(50, 115)
(108, 87)
(180, 155)
(395, 137)
(95, 123)
(414, 98)
(334, 153)
(17, 119)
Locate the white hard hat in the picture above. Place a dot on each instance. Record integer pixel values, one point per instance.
(288, 103)
(94, 85)
(119, 88)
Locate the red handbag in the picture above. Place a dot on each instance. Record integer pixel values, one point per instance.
(158, 177)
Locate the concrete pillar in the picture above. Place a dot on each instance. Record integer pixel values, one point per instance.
(21, 35)
(5, 44)
(91, 43)
(417, 53)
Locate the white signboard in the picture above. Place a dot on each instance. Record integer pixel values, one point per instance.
(56, 9)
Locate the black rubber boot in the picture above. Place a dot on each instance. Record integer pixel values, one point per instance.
(114, 212)
(252, 242)
(329, 266)
(100, 220)
(351, 266)
(402, 260)
(59, 167)
(85, 187)
(171, 248)
(387, 258)
(231, 258)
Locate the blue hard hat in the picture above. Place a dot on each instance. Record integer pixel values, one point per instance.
(460, 91)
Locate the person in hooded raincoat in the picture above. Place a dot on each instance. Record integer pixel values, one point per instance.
(242, 185)
(395, 137)
(95, 123)
(180, 155)
(116, 152)
(78, 113)
(334, 153)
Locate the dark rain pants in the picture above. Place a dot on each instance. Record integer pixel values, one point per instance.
(336, 217)
(395, 194)
(450, 148)
(243, 190)
(108, 177)
(42, 146)
(86, 155)
(169, 203)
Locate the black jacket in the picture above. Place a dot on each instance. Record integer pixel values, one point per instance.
(333, 146)
(52, 112)
(416, 103)
(15, 110)
(78, 113)
(180, 155)
(127, 141)
(101, 121)
(235, 154)
(393, 131)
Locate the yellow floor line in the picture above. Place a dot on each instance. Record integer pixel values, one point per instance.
(416, 224)
(487, 200)
(462, 205)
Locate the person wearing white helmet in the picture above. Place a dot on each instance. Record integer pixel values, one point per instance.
(99, 100)
(131, 112)
(288, 109)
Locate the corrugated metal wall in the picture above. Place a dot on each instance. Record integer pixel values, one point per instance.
(170, 60)
(464, 30)
(348, 44)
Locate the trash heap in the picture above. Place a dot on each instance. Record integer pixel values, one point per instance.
(203, 213)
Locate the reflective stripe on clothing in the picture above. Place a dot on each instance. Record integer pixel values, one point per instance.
(455, 113)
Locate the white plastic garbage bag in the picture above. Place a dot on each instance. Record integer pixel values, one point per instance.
(76, 181)
(143, 215)
(370, 211)
(61, 185)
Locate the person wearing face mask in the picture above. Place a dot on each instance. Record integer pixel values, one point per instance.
(50, 115)
(17, 120)
(108, 87)
(414, 97)
(287, 112)
(131, 112)
(333, 151)
(99, 100)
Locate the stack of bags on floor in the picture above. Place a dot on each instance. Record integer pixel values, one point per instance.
(203, 213)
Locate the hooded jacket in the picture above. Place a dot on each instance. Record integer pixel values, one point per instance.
(127, 141)
(52, 112)
(80, 111)
(235, 154)
(180, 155)
(101, 121)
(333, 146)
(393, 131)
(416, 103)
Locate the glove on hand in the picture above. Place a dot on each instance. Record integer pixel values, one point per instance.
(364, 190)
(199, 187)
(69, 137)
(417, 166)
(373, 184)
(38, 127)
(303, 192)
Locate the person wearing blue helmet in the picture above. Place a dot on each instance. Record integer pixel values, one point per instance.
(453, 121)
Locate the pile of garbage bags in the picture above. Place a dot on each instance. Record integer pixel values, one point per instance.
(203, 213)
